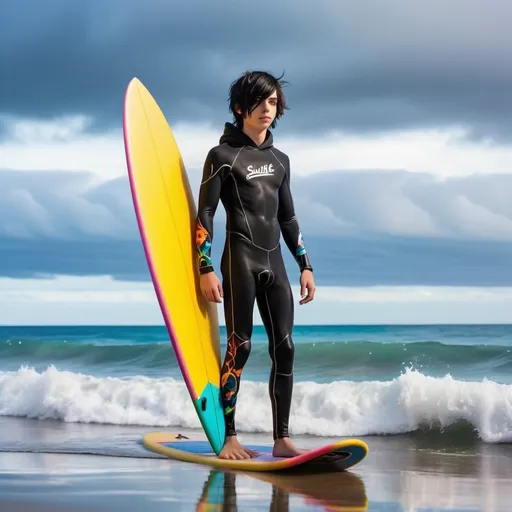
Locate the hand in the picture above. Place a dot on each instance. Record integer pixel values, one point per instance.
(306, 283)
(211, 288)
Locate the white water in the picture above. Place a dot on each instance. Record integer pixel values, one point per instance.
(341, 408)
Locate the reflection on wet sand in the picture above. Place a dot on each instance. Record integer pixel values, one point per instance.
(431, 471)
(406, 475)
(402, 475)
(343, 492)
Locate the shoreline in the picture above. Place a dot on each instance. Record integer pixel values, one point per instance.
(409, 479)
(399, 473)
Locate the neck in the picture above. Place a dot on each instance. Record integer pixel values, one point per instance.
(258, 136)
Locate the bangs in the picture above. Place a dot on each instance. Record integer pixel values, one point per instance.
(248, 91)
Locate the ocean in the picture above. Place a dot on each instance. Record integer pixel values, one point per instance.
(349, 380)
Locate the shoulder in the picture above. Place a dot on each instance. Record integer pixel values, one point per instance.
(217, 162)
(222, 153)
(282, 157)
(213, 153)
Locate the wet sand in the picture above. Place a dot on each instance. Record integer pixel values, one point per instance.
(399, 474)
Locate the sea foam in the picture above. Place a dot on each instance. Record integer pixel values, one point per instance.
(341, 408)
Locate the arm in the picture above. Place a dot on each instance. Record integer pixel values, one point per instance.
(209, 194)
(290, 226)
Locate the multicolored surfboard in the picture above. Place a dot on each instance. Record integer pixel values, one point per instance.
(166, 216)
(340, 455)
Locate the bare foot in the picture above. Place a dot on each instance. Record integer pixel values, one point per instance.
(233, 450)
(285, 448)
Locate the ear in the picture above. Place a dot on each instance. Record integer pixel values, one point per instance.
(238, 110)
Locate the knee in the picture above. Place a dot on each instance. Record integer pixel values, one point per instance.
(239, 350)
(244, 349)
(284, 351)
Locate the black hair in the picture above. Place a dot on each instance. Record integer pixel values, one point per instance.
(250, 89)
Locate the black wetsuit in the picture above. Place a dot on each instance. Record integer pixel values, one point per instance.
(253, 183)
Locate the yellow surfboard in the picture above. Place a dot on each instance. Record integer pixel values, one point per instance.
(166, 216)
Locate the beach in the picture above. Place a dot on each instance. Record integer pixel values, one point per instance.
(399, 474)
(170, 173)
(432, 403)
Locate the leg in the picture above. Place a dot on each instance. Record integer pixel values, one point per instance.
(275, 303)
(239, 296)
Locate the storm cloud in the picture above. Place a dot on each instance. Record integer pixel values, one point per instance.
(361, 228)
(353, 66)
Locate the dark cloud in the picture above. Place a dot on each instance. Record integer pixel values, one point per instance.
(353, 66)
(123, 259)
(345, 261)
(390, 260)
(59, 205)
(361, 228)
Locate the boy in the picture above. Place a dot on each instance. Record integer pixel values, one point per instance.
(252, 179)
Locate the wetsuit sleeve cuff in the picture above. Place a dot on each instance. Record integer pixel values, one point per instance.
(303, 261)
(206, 269)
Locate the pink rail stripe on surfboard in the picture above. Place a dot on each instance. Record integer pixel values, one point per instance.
(152, 269)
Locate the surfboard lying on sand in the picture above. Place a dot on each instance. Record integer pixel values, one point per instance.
(166, 216)
(339, 455)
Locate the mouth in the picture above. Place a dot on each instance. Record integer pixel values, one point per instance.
(265, 118)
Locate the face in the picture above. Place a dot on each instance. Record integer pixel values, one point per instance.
(264, 114)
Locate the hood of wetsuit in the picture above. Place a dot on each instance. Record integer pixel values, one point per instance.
(235, 137)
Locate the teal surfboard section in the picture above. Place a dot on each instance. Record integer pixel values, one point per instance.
(209, 409)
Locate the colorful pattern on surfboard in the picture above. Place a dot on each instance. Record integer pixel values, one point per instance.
(341, 455)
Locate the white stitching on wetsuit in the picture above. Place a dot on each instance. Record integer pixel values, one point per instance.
(229, 246)
(239, 337)
(238, 193)
(232, 297)
(270, 271)
(285, 374)
(259, 273)
(251, 242)
(274, 401)
(231, 287)
(215, 173)
(223, 165)
(236, 156)
(242, 206)
(287, 336)
(285, 177)
(270, 149)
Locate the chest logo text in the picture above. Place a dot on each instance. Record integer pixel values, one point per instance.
(264, 170)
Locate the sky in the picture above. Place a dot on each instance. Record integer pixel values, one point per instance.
(399, 135)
